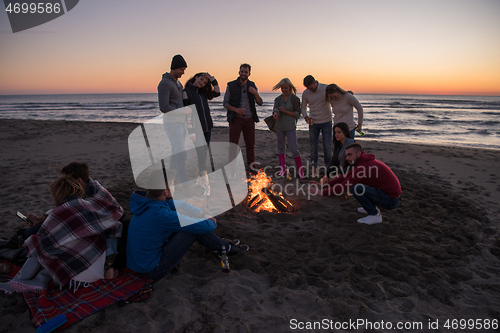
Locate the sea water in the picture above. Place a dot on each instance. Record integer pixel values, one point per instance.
(471, 121)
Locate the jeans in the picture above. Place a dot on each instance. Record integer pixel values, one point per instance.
(178, 245)
(371, 197)
(352, 132)
(314, 131)
(202, 150)
(31, 230)
(291, 137)
(247, 126)
(176, 133)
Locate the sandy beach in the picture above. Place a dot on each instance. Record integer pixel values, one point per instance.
(435, 258)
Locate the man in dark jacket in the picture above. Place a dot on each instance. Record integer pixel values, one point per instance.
(370, 181)
(239, 100)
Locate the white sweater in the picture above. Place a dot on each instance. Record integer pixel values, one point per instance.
(343, 110)
(320, 110)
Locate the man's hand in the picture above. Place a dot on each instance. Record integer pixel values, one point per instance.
(240, 111)
(208, 217)
(252, 90)
(308, 120)
(323, 180)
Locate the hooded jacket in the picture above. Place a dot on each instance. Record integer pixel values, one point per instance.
(370, 172)
(152, 224)
(170, 97)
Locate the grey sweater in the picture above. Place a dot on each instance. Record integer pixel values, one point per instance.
(170, 97)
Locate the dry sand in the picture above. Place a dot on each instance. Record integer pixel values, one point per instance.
(436, 257)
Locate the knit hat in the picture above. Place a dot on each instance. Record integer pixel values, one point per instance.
(178, 62)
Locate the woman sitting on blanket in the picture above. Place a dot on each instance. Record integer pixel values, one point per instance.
(71, 245)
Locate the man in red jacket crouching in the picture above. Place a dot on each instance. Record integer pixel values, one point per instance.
(370, 181)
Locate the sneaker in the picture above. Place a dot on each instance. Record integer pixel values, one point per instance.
(363, 211)
(233, 250)
(231, 243)
(371, 219)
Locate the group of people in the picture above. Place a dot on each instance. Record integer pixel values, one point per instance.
(329, 111)
(75, 243)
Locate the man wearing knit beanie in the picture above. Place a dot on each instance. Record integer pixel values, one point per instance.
(170, 99)
(178, 62)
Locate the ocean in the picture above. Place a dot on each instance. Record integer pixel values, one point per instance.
(470, 121)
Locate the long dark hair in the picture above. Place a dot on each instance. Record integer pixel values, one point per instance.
(207, 89)
(345, 129)
(337, 145)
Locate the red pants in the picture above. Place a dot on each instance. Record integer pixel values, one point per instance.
(246, 125)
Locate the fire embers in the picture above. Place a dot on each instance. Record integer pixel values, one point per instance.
(262, 197)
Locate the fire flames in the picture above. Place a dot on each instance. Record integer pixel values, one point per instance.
(262, 198)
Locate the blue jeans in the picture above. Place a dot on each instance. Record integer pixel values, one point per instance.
(371, 197)
(176, 133)
(178, 245)
(314, 131)
(352, 132)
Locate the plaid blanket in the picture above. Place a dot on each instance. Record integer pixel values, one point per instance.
(74, 234)
(85, 301)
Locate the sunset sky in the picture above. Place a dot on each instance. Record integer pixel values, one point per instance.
(368, 46)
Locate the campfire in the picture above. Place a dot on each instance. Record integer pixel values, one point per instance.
(262, 197)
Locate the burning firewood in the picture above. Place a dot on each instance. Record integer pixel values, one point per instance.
(260, 191)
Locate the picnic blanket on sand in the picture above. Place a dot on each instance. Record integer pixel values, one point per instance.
(76, 305)
(53, 301)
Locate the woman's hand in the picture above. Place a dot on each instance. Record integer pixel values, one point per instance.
(36, 219)
(275, 115)
(209, 77)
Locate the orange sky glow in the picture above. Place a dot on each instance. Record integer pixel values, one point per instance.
(397, 47)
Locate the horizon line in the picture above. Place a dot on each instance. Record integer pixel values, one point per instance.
(262, 92)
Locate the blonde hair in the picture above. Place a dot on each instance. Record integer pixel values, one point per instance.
(287, 82)
(63, 187)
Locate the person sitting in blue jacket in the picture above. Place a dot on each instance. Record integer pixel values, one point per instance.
(157, 241)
